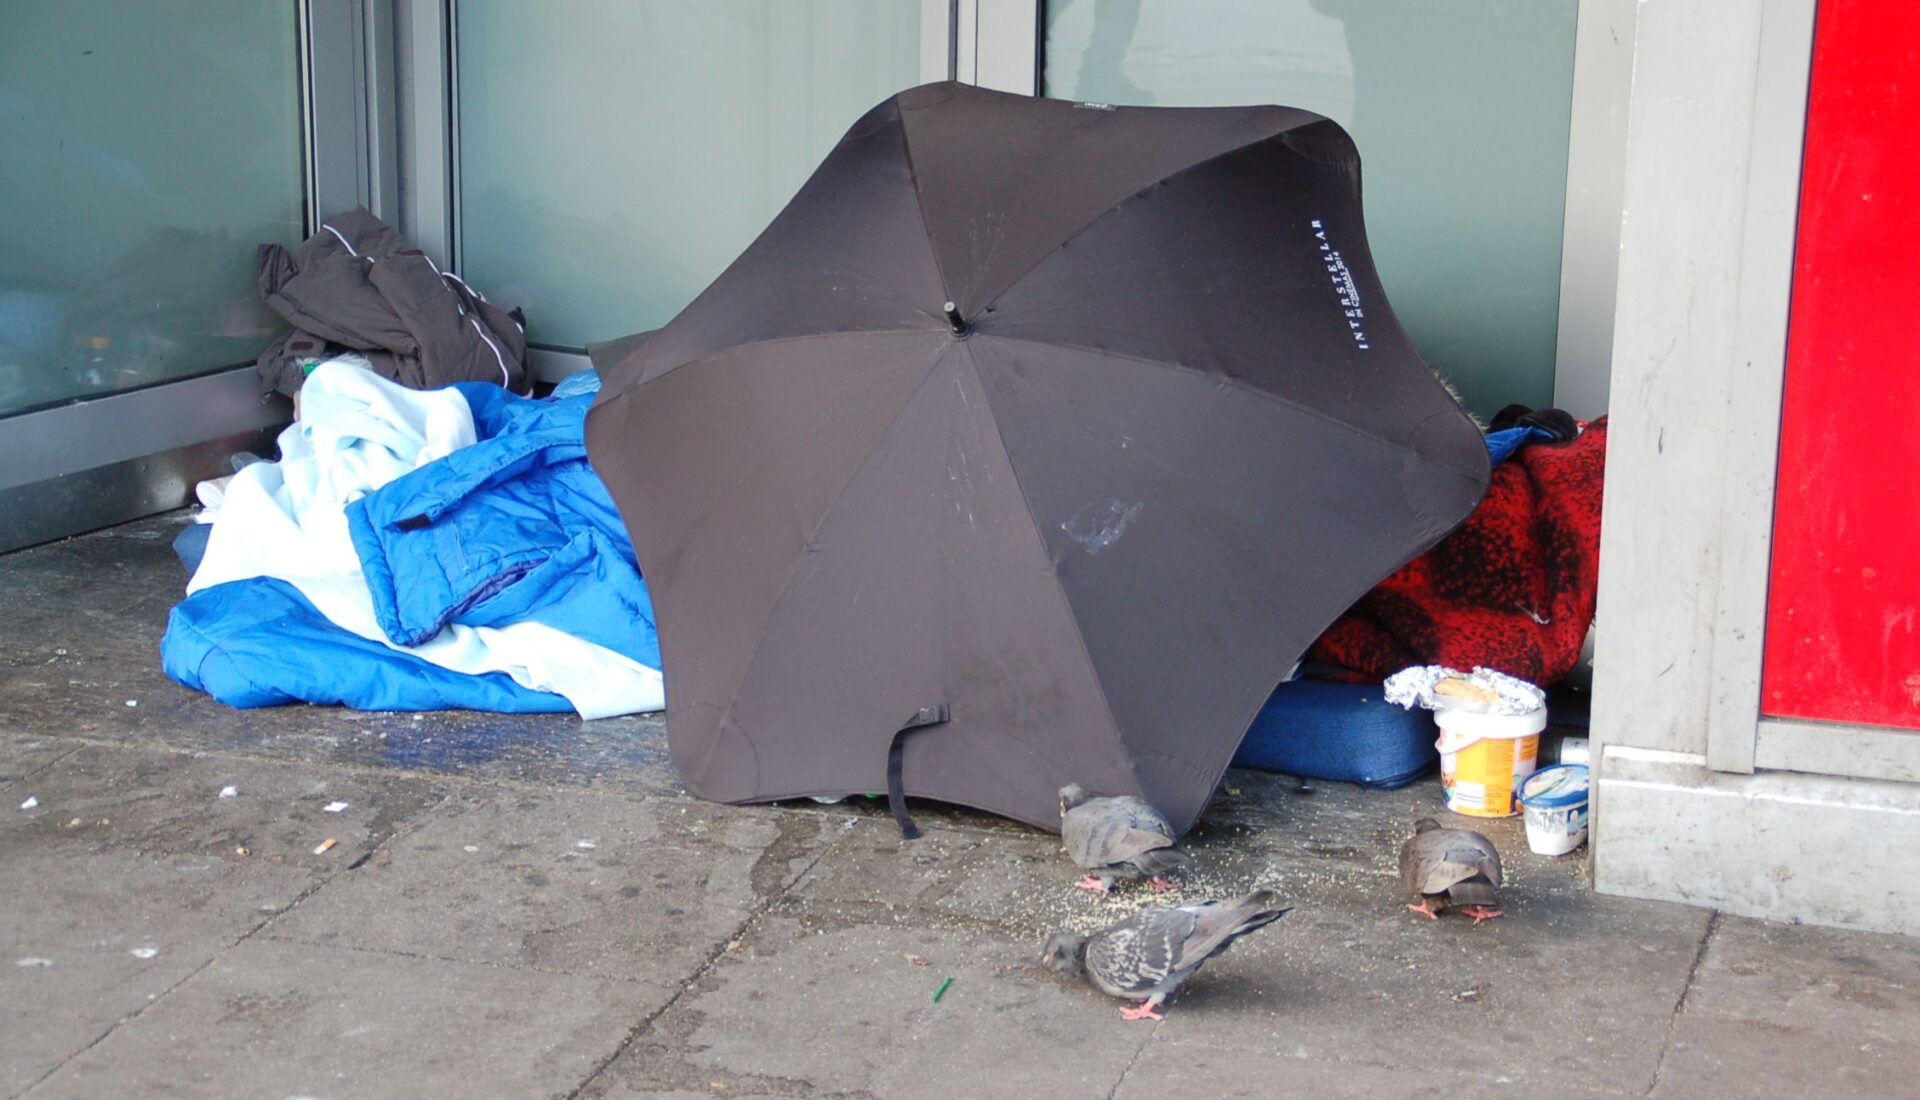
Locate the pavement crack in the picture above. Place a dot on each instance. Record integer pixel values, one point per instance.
(117, 1024)
(1137, 1052)
(29, 775)
(1680, 1005)
(706, 966)
(400, 829)
(167, 992)
(264, 923)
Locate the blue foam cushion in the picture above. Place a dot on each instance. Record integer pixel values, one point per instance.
(1345, 732)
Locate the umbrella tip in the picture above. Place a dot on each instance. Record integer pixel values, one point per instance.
(954, 319)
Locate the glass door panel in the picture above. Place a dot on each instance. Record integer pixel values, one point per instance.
(148, 149)
(615, 155)
(1461, 110)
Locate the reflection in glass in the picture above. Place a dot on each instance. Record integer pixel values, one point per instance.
(1460, 109)
(145, 151)
(616, 155)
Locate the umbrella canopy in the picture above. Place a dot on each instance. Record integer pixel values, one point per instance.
(1048, 433)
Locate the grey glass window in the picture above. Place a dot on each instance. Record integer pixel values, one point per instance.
(615, 155)
(145, 150)
(1460, 109)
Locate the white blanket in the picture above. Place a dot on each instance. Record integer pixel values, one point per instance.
(287, 519)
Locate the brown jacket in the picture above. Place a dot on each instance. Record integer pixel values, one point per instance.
(358, 286)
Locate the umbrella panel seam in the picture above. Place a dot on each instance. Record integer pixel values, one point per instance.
(786, 587)
(1251, 390)
(924, 333)
(1104, 212)
(919, 206)
(1033, 521)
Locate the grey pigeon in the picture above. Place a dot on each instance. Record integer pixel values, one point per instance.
(1445, 867)
(1146, 956)
(1117, 838)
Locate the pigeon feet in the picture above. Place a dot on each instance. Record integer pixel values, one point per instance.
(1428, 908)
(1162, 884)
(1145, 1011)
(1481, 913)
(1098, 886)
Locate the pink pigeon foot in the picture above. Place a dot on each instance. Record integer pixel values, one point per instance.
(1162, 884)
(1481, 913)
(1427, 908)
(1145, 1011)
(1091, 883)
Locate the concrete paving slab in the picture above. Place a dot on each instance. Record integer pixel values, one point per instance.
(85, 618)
(603, 1089)
(873, 862)
(615, 886)
(86, 693)
(826, 1000)
(1341, 818)
(86, 697)
(72, 920)
(430, 970)
(23, 754)
(1021, 878)
(168, 805)
(1565, 991)
(277, 1019)
(81, 596)
(1847, 982)
(1789, 1010)
(1727, 1058)
(85, 610)
(1165, 1070)
(1019, 882)
(1332, 826)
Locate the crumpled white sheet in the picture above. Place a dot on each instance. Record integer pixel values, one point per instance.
(287, 520)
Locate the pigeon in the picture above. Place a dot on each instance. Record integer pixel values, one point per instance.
(1146, 956)
(1445, 866)
(1117, 838)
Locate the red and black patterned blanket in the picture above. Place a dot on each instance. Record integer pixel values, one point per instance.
(1512, 589)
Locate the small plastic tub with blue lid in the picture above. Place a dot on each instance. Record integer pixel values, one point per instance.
(1554, 800)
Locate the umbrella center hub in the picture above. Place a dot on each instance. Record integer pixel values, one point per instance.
(956, 322)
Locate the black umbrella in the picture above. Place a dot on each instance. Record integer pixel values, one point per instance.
(1031, 443)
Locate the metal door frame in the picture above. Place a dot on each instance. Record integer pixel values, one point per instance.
(1740, 738)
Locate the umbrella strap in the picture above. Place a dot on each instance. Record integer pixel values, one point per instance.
(896, 761)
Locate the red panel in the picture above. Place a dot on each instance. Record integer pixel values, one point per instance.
(1843, 612)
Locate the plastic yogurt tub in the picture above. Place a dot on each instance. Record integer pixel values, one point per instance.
(1554, 800)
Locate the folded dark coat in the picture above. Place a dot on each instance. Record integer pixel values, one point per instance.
(356, 285)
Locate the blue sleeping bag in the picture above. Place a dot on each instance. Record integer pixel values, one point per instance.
(514, 528)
